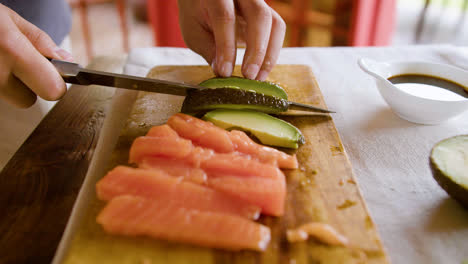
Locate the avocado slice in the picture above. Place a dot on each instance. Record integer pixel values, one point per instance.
(449, 165)
(229, 98)
(267, 129)
(267, 88)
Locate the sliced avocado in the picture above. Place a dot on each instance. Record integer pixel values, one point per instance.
(266, 88)
(449, 165)
(228, 98)
(267, 129)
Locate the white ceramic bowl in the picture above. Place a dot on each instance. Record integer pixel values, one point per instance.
(408, 106)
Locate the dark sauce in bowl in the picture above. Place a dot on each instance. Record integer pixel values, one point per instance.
(430, 87)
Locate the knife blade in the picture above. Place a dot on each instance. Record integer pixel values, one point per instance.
(75, 74)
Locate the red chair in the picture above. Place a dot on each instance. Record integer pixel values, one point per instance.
(373, 22)
(163, 16)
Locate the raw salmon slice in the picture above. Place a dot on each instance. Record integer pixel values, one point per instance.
(269, 194)
(164, 131)
(235, 164)
(246, 145)
(205, 134)
(201, 133)
(176, 148)
(158, 185)
(222, 167)
(174, 167)
(198, 155)
(212, 163)
(134, 216)
(192, 159)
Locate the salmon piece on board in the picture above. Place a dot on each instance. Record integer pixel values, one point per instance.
(269, 194)
(202, 133)
(164, 131)
(198, 156)
(244, 144)
(266, 189)
(200, 160)
(235, 164)
(135, 216)
(207, 135)
(158, 185)
(174, 167)
(176, 148)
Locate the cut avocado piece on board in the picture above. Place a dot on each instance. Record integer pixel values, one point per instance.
(267, 88)
(229, 98)
(449, 165)
(267, 129)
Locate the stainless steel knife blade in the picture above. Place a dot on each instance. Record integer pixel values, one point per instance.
(75, 74)
(299, 106)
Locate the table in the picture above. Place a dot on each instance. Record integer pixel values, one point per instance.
(417, 221)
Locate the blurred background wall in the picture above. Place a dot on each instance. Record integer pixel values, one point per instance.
(112, 27)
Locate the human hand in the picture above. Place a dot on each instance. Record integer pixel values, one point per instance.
(209, 29)
(24, 71)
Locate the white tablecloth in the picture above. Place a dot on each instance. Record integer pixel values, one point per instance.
(417, 221)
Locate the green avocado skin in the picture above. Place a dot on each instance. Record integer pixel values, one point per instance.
(455, 191)
(266, 88)
(229, 98)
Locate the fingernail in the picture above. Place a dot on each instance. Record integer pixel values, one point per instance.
(262, 75)
(63, 54)
(226, 69)
(251, 71)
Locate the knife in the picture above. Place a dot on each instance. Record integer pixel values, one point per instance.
(75, 74)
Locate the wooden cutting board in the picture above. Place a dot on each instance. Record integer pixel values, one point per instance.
(323, 189)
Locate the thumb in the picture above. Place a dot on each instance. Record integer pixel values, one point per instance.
(39, 39)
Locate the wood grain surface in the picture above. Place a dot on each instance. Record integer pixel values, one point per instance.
(323, 189)
(39, 184)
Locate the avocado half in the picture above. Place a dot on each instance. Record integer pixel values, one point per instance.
(267, 129)
(449, 165)
(266, 88)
